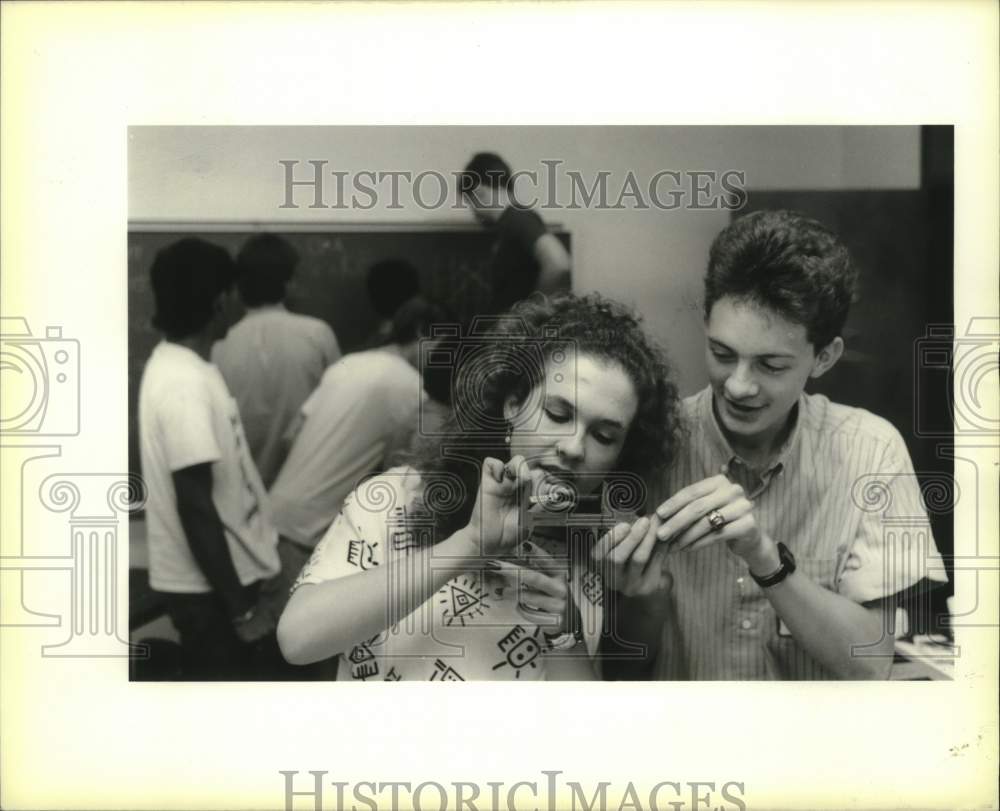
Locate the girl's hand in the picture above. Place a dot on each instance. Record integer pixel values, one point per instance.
(542, 588)
(631, 562)
(495, 524)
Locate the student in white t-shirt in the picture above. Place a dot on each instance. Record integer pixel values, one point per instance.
(365, 408)
(271, 359)
(211, 539)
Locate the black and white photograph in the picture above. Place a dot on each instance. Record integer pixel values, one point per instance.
(455, 403)
(632, 367)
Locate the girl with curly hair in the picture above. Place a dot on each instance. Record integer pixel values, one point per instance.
(476, 559)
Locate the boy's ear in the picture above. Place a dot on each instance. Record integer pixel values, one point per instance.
(827, 357)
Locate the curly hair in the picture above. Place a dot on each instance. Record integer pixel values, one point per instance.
(787, 263)
(506, 355)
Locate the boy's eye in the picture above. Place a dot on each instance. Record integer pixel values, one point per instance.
(604, 439)
(772, 368)
(720, 355)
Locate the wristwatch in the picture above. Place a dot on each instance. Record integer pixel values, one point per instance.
(563, 641)
(786, 568)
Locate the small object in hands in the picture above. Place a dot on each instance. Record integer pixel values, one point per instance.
(716, 519)
(554, 497)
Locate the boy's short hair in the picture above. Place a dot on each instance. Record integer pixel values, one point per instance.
(390, 283)
(787, 263)
(265, 264)
(486, 169)
(414, 319)
(187, 277)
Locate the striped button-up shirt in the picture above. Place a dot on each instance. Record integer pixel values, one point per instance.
(841, 495)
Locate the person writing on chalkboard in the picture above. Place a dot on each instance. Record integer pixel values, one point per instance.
(526, 257)
(271, 359)
(426, 573)
(212, 546)
(781, 565)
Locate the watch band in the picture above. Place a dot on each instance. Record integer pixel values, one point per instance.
(563, 641)
(786, 568)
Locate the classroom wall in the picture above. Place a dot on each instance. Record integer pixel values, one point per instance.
(651, 259)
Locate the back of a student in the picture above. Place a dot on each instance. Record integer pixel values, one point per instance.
(186, 417)
(272, 360)
(365, 407)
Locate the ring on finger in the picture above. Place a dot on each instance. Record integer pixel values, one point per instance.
(716, 520)
(522, 603)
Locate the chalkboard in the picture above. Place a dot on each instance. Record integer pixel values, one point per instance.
(453, 262)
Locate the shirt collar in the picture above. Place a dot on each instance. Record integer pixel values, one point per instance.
(267, 308)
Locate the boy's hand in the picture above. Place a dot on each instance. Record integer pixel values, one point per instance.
(688, 518)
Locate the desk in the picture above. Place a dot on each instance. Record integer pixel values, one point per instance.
(922, 659)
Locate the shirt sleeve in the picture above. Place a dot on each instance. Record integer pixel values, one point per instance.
(894, 547)
(330, 347)
(307, 408)
(187, 423)
(356, 540)
(522, 226)
(325, 383)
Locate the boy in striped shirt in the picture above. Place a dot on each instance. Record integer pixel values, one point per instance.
(772, 545)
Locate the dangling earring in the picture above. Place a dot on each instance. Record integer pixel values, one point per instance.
(509, 434)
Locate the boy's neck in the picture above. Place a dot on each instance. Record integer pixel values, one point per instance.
(200, 344)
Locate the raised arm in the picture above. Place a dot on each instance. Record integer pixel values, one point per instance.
(827, 625)
(554, 263)
(327, 618)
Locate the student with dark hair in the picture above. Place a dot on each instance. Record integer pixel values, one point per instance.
(271, 359)
(526, 257)
(390, 284)
(211, 541)
(365, 408)
(780, 570)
